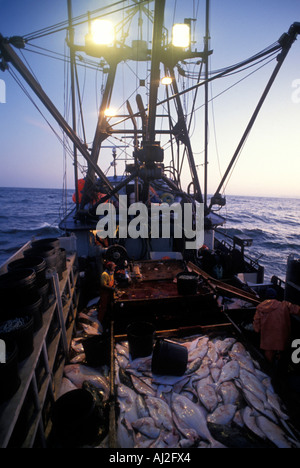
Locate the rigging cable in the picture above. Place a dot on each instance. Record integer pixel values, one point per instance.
(63, 25)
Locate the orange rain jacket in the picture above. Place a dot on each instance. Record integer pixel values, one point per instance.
(272, 319)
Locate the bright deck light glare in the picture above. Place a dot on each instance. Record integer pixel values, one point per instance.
(181, 35)
(103, 32)
(110, 112)
(166, 80)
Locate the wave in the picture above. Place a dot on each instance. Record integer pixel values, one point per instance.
(40, 228)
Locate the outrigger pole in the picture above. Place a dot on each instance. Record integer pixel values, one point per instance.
(286, 41)
(9, 55)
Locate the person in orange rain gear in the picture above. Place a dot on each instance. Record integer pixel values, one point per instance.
(95, 198)
(107, 287)
(272, 320)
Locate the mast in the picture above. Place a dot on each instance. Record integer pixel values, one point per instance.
(155, 66)
(206, 59)
(72, 68)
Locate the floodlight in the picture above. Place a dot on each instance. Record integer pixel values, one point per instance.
(166, 80)
(102, 32)
(181, 35)
(110, 112)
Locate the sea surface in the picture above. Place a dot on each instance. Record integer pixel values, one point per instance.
(272, 223)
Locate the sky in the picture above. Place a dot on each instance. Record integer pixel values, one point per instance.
(269, 165)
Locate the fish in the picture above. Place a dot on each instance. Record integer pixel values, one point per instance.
(222, 415)
(141, 407)
(223, 346)
(191, 437)
(147, 427)
(193, 366)
(212, 353)
(166, 440)
(124, 378)
(274, 402)
(215, 373)
(167, 379)
(142, 387)
(238, 419)
(162, 389)
(251, 383)
(79, 373)
(66, 386)
(254, 402)
(229, 393)
(190, 414)
(160, 412)
(125, 434)
(190, 393)
(222, 387)
(141, 364)
(249, 419)
(238, 347)
(202, 372)
(142, 441)
(230, 371)
(127, 399)
(207, 394)
(191, 345)
(202, 348)
(122, 349)
(273, 432)
(243, 360)
(178, 386)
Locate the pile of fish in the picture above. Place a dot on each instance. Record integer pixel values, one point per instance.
(222, 400)
(222, 393)
(13, 324)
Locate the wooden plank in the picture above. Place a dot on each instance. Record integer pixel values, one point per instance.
(223, 286)
(182, 331)
(10, 410)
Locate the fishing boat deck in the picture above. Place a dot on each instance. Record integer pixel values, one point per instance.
(157, 282)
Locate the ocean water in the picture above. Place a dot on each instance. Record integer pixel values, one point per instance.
(29, 213)
(272, 223)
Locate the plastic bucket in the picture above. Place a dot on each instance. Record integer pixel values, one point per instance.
(55, 244)
(49, 253)
(97, 350)
(74, 418)
(16, 287)
(140, 339)
(9, 374)
(63, 259)
(52, 241)
(37, 263)
(22, 335)
(31, 307)
(169, 358)
(43, 290)
(187, 283)
(18, 282)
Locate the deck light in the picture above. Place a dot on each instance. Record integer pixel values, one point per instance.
(110, 112)
(102, 32)
(181, 35)
(166, 80)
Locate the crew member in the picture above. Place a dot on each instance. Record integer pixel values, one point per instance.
(107, 290)
(272, 320)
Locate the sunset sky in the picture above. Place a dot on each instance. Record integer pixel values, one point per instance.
(269, 165)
